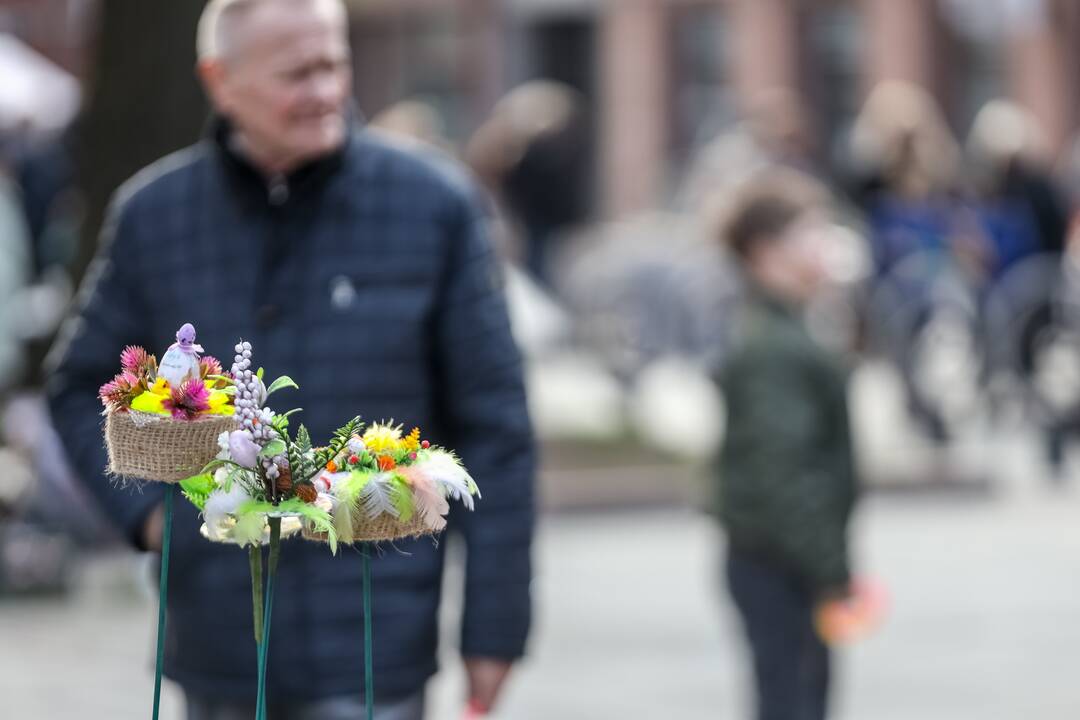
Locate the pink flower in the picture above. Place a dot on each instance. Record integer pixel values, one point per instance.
(187, 401)
(209, 365)
(132, 358)
(117, 394)
(139, 363)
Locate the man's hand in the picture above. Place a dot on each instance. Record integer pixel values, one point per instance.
(486, 678)
(154, 529)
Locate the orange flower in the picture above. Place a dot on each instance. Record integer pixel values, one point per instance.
(386, 463)
(331, 466)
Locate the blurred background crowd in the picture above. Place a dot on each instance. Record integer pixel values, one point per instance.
(610, 136)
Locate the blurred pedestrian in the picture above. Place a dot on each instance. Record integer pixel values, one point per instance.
(362, 270)
(415, 121)
(905, 174)
(786, 481)
(1020, 208)
(15, 262)
(533, 152)
(52, 204)
(905, 178)
(1023, 219)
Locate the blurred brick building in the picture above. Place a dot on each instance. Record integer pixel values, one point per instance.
(55, 28)
(661, 77)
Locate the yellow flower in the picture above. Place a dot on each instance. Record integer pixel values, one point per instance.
(412, 442)
(219, 403)
(149, 402)
(382, 439)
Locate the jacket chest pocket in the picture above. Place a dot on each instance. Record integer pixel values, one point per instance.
(374, 319)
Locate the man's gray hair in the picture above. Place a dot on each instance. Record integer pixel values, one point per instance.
(217, 25)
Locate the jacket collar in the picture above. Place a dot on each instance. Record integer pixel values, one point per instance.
(771, 303)
(280, 190)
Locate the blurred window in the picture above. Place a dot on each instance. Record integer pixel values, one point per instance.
(974, 55)
(405, 54)
(702, 103)
(835, 43)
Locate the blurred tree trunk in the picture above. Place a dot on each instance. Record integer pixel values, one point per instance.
(142, 101)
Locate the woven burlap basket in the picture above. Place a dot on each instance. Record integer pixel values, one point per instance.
(151, 447)
(383, 528)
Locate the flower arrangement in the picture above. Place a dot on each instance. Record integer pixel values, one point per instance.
(384, 485)
(162, 421)
(364, 485)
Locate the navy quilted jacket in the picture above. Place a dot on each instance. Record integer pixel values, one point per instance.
(368, 278)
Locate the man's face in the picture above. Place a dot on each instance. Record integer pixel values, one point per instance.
(285, 80)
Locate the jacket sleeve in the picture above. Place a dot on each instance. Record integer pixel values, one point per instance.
(87, 355)
(798, 480)
(483, 408)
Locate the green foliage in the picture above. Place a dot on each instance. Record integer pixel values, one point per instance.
(303, 439)
(272, 448)
(317, 518)
(337, 443)
(281, 422)
(301, 462)
(282, 382)
(197, 489)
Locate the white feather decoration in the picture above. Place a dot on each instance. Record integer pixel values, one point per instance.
(250, 529)
(219, 506)
(451, 477)
(377, 495)
(429, 500)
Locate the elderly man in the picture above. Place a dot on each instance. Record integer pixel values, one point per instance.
(364, 273)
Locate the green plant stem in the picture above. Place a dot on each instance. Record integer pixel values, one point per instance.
(369, 677)
(163, 597)
(275, 552)
(255, 559)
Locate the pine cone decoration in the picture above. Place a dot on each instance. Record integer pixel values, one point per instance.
(284, 481)
(307, 492)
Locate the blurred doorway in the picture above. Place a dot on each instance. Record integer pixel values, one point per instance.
(564, 49)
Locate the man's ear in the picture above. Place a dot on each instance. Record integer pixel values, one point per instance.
(211, 73)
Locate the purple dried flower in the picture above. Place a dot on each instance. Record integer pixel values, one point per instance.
(132, 358)
(117, 394)
(187, 401)
(138, 362)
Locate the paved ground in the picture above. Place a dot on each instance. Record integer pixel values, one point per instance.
(986, 623)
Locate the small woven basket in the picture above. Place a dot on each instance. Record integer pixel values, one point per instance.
(381, 529)
(151, 447)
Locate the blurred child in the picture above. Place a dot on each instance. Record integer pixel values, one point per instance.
(786, 478)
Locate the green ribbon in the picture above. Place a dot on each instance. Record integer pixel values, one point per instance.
(369, 678)
(275, 552)
(163, 594)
